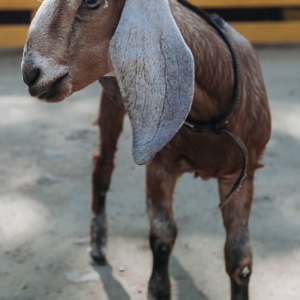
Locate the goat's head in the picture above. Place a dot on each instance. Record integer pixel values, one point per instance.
(75, 42)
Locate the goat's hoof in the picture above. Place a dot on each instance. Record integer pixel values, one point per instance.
(99, 261)
(159, 292)
(159, 296)
(239, 292)
(98, 258)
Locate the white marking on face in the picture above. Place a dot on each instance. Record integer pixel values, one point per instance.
(50, 70)
(106, 4)
(43, 16)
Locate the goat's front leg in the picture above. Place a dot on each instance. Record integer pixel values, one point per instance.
(110, 125)
(238, 253)
(163, 230)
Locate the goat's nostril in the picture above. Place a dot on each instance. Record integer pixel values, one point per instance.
(31, 76)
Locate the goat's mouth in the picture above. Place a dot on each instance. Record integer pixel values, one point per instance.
(56, 91)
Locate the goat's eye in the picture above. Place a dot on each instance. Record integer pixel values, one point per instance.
(92, 4)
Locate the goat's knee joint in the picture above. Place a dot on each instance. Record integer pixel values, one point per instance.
(238, 257)
(241, 273)
(163, 235)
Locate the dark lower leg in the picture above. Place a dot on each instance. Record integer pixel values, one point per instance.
(238, 252)
(99, 228)
(160, 186)
(110, 122)
(238, 256)
(161, 245)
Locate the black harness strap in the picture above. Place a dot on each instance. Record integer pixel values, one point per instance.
(218, 127)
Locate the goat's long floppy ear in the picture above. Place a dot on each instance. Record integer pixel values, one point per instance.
(155, 71)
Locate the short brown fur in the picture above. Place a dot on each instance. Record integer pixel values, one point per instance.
(208, 155)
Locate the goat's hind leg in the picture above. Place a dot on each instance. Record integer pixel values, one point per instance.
(163, 232)
(110, 123)
(238, 253)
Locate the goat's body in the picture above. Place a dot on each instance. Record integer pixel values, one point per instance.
(158, 67)
(206, 154)
(214, 155)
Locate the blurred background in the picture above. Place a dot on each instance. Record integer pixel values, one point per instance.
(46, 164)
(261, 21)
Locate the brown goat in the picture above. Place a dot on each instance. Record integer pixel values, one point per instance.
(164, 72)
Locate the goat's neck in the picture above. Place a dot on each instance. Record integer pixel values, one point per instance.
(213, 65)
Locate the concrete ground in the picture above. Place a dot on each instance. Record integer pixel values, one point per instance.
(45, 167)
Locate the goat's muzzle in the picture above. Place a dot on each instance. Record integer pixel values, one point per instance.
(46, 79)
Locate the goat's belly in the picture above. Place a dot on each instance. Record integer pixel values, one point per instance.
(208, 155)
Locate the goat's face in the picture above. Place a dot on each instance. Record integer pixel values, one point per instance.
(72, 43)
(67, 46)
